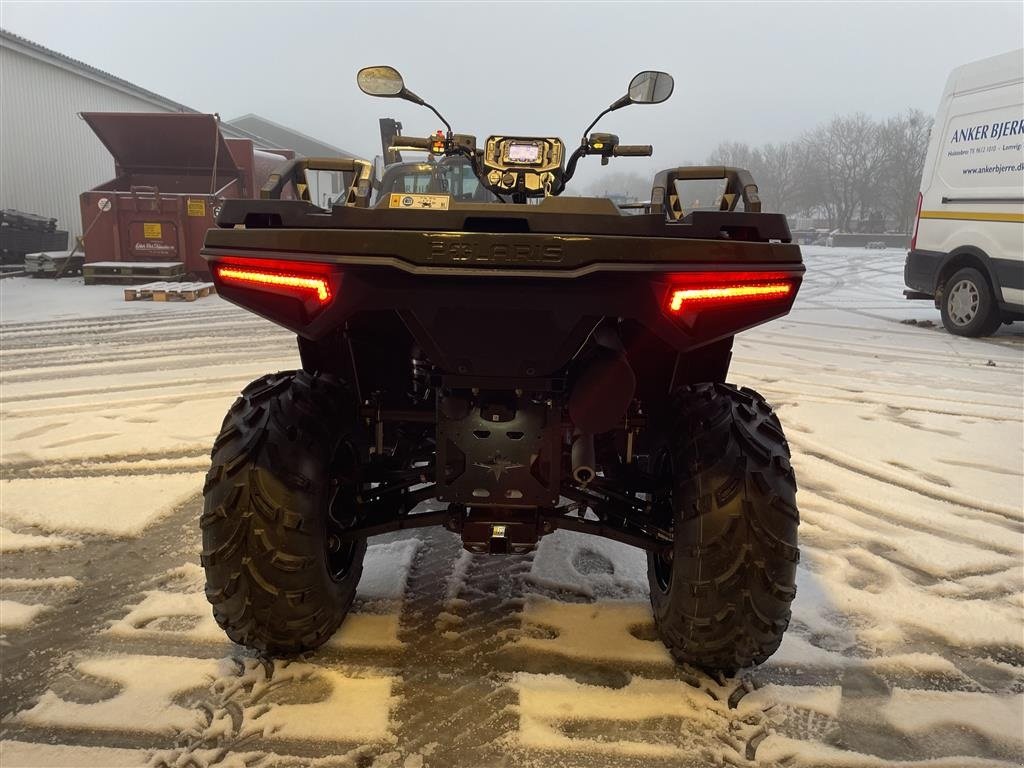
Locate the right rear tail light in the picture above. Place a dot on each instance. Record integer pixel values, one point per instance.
(696, 292)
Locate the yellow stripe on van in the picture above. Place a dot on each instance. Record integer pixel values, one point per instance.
(973, 216)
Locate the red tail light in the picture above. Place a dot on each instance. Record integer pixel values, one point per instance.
(695, 292)
(917, 221)
(302, 285)
(289, 292)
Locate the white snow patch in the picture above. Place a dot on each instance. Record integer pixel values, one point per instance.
(601, 631)
(782, 750)
(187, 577)
(355, 708)
(24, 754)
(81, 419)
(367, 630)
(548, 702)
(15, 615)
(823, 699)
(930, 552)
(386, 570)
(50, 582)
(999, 717)
(457, 578)
(798, 652)
(154, 618)
(216, 757)
(895, 603)
(561, 564)
(1010, 582)
(917, 663)
(23, 542)
(26, 300)
(117, 506)
(148, 686)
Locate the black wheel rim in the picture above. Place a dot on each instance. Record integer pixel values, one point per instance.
(339, 557)
(663, 569)
(663, 558)
(339, 552)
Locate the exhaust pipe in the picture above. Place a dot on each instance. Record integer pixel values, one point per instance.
(584, 464)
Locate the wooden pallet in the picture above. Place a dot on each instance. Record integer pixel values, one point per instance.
(121, 272)
(165, 291)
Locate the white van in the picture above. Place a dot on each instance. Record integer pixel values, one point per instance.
(967, 251)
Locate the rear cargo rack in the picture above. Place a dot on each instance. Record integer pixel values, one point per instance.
(739, 185)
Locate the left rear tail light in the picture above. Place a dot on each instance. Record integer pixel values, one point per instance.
(291, 281)
(292, 293)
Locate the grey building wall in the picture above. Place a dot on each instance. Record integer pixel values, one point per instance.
(48, 155)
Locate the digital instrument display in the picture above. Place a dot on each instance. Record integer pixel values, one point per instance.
(523, 153)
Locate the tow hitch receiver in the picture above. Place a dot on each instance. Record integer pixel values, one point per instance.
(497, 531)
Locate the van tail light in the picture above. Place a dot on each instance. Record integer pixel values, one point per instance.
(917, 221)
(292, 281)
(690, 293)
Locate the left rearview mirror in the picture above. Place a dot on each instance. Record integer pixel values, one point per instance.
(650, 87)
(380, 81)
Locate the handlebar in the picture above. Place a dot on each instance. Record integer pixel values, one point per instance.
(412, 142)
(455, 144)
(633, 150)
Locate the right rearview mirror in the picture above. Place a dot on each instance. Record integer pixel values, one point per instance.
(650, 87)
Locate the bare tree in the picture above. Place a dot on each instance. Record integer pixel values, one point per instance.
(775, 168)
(906, 139)
(629, 185)
(780, 178)
(853, 171)
(848, 159)
(738, 155)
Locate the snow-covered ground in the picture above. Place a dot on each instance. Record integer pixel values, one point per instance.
(906, 648)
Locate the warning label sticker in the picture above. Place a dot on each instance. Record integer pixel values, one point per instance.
(196, 207)
(152, 231)
(432, 202)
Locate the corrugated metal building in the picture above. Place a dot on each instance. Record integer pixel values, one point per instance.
(288, 137)
(48, 155)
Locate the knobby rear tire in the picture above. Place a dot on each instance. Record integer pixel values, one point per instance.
(283, 453)
(722, 598)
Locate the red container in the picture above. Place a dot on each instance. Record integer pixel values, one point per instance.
(172, 172)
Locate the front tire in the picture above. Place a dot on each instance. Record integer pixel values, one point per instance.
(968, 307)
(278, 582)
(722, 595)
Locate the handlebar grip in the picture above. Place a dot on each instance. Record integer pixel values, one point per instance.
(633, 150)
(411, 142)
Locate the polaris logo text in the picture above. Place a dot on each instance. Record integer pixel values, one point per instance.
(510, 253)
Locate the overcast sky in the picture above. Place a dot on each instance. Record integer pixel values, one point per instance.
(751, 72)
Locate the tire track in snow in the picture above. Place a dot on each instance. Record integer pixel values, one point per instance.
(996, 513)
